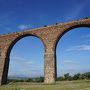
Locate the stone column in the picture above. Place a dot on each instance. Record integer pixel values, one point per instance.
(50, 66)
(3, 71)
(4, 64)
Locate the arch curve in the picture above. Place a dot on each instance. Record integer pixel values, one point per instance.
(8, 51)
(69, 29)
(18, 38)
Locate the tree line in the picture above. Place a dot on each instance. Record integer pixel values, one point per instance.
(77, 76)
(66, 77)
(37, 79)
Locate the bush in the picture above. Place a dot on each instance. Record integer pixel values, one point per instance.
(29, 80)
(66, 76)
(40, 79)
(76, 76)
(60, 79)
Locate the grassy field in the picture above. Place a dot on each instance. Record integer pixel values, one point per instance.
(63, 85)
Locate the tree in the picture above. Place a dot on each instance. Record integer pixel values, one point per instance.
(39, 79)
(76, 76)
(87, 75)
(29, 80)
(70, 78)
(60, 78)
(66, 76)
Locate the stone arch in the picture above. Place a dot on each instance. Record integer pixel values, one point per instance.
(67, 30)
(20, 37)
(8, 51)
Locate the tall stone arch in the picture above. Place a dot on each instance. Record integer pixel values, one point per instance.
(8, 51)
(70, 26)
(7, 42)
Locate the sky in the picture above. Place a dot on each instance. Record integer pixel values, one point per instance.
(73, 48)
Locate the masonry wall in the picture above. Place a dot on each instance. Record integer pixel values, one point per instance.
(49, 36)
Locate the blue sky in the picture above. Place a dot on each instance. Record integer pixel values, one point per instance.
(73, 49)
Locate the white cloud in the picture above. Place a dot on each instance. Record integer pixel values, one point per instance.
(29, 62)
(18, 58)
(79, 48)
(22, 27)
(21, 60)
(71, 62)
(26, 26)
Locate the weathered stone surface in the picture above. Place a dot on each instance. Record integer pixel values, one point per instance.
(49, 36)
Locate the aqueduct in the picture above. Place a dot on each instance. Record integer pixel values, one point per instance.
(49, 35)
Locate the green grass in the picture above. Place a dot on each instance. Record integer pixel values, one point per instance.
(63, 85)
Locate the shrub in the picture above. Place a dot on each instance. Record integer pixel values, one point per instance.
(60, 79)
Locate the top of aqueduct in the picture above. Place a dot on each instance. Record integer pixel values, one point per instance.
(47, 34)
(81, 21)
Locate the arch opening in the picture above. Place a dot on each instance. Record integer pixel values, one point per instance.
(72, 51)
(25, 58)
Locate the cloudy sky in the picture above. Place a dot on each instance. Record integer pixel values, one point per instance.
(27, 55)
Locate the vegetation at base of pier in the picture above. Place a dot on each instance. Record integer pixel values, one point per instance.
(37, 79)
(66, 77)
(77, 76)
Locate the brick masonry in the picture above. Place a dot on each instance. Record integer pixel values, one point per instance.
(49, 35)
